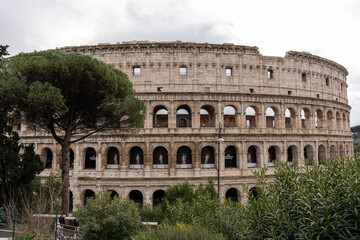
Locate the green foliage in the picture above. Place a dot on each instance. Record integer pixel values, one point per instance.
(200, 208)
(179, 192)
(18, 164)
(178, 232)
(31, 235)
(321, 203)
(103, 218)
(71, 96)
(48, 193)
(3, 51)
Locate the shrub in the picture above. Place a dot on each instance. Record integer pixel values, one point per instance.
(104, 218)
(323, 202)
(178, 232)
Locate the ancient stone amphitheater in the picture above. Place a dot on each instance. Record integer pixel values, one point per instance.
(270, 109)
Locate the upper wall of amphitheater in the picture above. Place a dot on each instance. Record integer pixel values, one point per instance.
(222, 68)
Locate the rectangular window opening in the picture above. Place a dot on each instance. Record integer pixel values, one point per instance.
(303, 77)
(228, 72)
(327, 81)
(182, 71)
(270, 73)
(160, 89)
(136, 71)
(251, 90)
(289, 92)
(318, 95)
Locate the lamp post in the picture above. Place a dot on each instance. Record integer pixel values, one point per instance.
(220, 139)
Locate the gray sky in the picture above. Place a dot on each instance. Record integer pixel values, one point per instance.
(328, 28)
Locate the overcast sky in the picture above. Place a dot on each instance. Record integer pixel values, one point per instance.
(328, 28)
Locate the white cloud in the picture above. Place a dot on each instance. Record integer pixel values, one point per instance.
(327, 28)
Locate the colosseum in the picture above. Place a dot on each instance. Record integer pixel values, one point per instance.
(269, 109)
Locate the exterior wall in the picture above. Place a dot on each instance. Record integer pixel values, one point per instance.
(298, 81)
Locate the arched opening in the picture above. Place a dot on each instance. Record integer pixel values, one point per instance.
(160, 117)
(183, 116)
(207, 116)
(230, 157)
(347, 150)
(322, 154)
(71, 201)
(47, 157)
(305, 118)
(250, 117)
(160, 158)
(271, 156)
(309, 154)
(252, 157)
(113, 194)
(72, 159)
(184, 157)
(207, 157)
(229, 116)
(290, 118)
(158, 196)
(319, 119)
(113, 158)
(136, 196)
(232, 194)
(270, 117)
(88, 194)
(253, 195)
(136, 158)
(292, 155)
(338, 121)
(333, 152)
(90, 158)
(329, 119)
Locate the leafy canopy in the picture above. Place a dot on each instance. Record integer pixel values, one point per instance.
(71, 92)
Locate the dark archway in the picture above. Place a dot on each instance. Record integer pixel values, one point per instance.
(184, 157)
(229, 116)
(292, 155)
(321, 154)
(88, 194)
(232, 194)
(252, 157)
(71, 201)
(230, 157)
(160, 157)
(72, 158)
(158, 196)
(136, 196)
(113, 158)
(90, 158)
(136, 158)
(183, 116)
(49, 159)
(207, 116)
(254, 194)
(309, 154)
(113, 194)
(333, 152)
(207, 157)
(160, 117)
(271, 156)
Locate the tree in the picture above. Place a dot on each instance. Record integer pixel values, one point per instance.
(72, 96)
(106, 218)
(18, 164)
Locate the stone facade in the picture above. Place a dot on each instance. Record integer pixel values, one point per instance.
(270, 109)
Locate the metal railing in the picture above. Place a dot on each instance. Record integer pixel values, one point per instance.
(67, 232)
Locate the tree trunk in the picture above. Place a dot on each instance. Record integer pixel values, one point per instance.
(65, 152)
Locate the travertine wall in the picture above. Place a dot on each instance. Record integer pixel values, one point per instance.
(309, 117)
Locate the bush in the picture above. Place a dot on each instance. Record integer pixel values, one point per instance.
(202, 209)
(323, 202)
(104, 218)
(178, 232)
